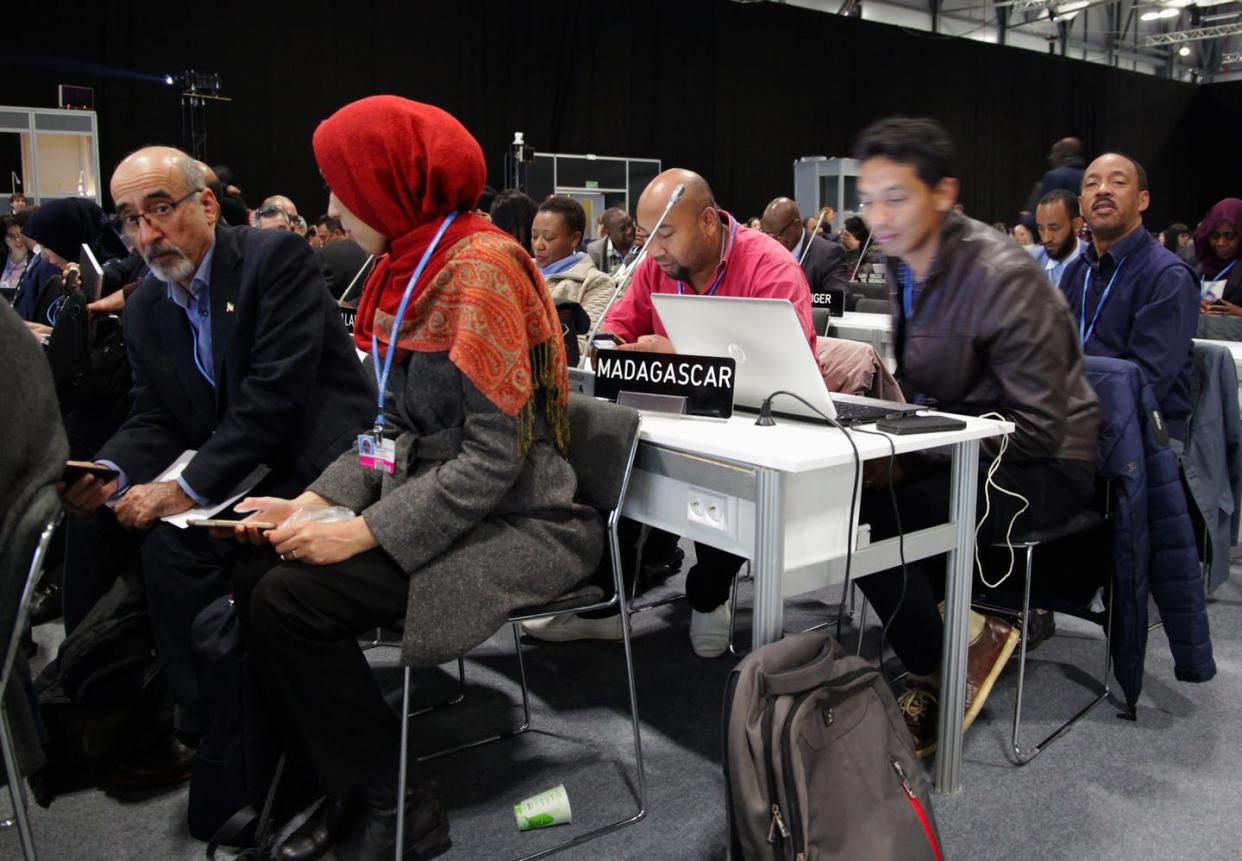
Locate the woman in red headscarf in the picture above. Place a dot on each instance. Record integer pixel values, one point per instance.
(464, 500)
(1218, 248)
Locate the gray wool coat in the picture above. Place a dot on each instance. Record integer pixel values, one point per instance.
(480, 531)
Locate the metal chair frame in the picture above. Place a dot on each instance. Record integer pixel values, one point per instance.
(617, 600)
(17, 783)
(1023, 756)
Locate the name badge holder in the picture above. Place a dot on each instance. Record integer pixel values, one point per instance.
(374, 451)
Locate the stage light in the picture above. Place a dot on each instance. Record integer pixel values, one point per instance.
(168, 79)
(1169, 13)
(1149, 16)
(1185, 51)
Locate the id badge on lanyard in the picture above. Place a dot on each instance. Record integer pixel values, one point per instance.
(374, 451)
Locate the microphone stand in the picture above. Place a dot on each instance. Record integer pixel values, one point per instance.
(626, 273)
(862, 255)
(811, 236)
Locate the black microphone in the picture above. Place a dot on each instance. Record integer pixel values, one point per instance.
(626, 273)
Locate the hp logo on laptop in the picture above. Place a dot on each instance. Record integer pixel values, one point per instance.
(737, 354)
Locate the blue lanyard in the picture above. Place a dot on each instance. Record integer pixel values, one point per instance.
(1203, 281)
(907, 293)
(381, 379)
(1083, 329)
(723, 269)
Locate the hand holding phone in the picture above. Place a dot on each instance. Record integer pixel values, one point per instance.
(75, 469)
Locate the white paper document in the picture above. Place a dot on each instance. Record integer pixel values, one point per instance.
(174, 470)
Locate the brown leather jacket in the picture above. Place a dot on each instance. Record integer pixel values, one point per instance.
(990, 333)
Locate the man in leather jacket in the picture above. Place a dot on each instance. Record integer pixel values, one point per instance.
(978, 329)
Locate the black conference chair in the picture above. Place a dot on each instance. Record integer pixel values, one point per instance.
(1027, 542)
(21, 565)
(873, 306)
(603, 440)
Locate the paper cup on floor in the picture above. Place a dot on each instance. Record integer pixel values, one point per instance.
(545, 809)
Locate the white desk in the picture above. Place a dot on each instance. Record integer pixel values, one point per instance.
(783, 495)
(873, 329)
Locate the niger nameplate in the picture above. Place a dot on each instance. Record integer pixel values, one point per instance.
(833, 300)
(703, 383)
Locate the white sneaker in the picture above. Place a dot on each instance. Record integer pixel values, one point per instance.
(709, 632)
(571, 626)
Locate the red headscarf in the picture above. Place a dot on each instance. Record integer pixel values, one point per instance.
(1229, 209)
(401, 166)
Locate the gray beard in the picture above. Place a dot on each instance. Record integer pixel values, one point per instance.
(182, 270)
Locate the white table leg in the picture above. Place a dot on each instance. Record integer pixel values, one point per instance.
(769, 562)
(957, 618)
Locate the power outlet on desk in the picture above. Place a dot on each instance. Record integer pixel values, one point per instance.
(711, 511)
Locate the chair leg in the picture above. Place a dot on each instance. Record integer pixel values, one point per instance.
(862, 622)
(510, 733)
(451, 701)
(1022, 757)
(377, 641)
(737, 576)
(638, 742)
(17, 788)
(403, 762)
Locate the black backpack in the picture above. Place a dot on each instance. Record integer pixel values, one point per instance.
(238, 757)
(104, 696)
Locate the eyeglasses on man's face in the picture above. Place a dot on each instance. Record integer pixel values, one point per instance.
(155, 214)
(788, 224)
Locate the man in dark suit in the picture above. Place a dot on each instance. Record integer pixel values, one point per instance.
(237, 353)
(616, 248)
(341, 260)
(823, 262)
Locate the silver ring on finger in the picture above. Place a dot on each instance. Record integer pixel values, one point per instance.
(283, 558)
(293, 554)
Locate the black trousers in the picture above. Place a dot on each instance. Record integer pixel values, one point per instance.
(183, 570)
(708, 581)
(1055, 490)
(303, 624)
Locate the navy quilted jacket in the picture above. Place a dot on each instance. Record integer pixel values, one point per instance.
(1153, 540)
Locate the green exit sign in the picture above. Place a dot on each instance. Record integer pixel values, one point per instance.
(590, 183)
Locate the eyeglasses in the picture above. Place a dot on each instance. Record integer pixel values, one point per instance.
(13, 237)
(788, 224)
(157, 214)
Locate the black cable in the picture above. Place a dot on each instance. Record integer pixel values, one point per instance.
(765, 420)
(901, 544)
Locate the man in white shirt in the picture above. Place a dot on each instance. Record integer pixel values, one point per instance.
(1058, 220)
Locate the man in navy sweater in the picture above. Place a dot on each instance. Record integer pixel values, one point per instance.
(1133, 298)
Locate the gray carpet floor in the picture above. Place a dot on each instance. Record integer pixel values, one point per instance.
(1162, 787)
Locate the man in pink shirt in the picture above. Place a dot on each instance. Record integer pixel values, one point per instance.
(700, 249)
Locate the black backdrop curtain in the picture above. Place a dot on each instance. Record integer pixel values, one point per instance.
(734, 91)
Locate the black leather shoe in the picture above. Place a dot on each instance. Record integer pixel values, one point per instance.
(165, 765)
(45, 604)
(314, 837)
(374, 835)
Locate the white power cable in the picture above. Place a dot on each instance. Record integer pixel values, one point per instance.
(989, 482)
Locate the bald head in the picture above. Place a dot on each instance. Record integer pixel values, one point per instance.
(161, 196)
(284, 204)
(690, 243)
(783, 222)
(1064, 150)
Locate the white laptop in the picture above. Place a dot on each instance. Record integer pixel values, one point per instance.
(766, 340)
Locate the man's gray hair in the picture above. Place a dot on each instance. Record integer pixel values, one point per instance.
(191, 173)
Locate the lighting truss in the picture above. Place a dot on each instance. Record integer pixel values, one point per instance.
(1181, 36)
(1231, 57)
